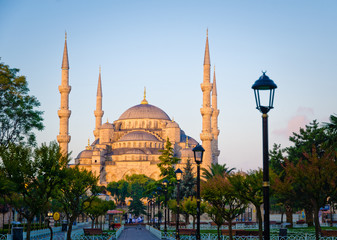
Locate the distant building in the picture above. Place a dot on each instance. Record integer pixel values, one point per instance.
(131, 144)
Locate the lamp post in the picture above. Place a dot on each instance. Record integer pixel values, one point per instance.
(149, 216)
(198, 155)
(178, 173)
(264, 89)
(154, 209)
(165, 183)
(159, 189)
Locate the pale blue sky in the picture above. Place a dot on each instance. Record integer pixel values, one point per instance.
(160, 45)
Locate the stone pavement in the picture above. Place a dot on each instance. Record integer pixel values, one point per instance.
(136, 233)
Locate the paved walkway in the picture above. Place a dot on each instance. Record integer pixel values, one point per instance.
(136, 233)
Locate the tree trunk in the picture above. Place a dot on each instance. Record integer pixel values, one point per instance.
(230, 230)
(50, 229)
(70, 228)
(187, 219)
(92, 222)
(309, 216)
(9, 220)
(289, 214)
(219, 235)
(316, 219)
(29, 224)
(193, 221)
(259, 219)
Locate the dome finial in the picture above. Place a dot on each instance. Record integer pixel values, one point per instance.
(144, 100)
(186, 142)
(88, 147)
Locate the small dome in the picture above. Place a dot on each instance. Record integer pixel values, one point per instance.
(85, 154)
(191, 141)
(138, 136)
(172, 125)
(144, 111)
(107, 125)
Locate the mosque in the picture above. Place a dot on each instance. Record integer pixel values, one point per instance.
(132, 143)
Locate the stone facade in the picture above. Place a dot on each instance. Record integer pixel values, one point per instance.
(132, 143)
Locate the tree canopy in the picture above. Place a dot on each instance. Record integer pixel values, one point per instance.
(18, 114)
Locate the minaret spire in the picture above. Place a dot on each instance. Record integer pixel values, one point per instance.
(214, 121)
(64, 113)
(65, 62)
(98, 112)
(206, 110)
(207, 60)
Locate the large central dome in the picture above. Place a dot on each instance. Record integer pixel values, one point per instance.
(144, 111)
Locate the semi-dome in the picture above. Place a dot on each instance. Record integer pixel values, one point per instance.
(172, 125)
(107, 125)
(138, 136)
(85, 154)
(144, 111)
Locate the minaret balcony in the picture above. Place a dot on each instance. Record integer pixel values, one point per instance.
(62, 138)
(205, 136)
(98, 113)
(64, 89)
(215, 132)
(215, 113)
(206, 111)
(64, 113)
(206, 86)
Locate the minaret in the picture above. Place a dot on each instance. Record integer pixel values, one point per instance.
(206, 110)
(64, 113)
(98, 112)
(214, 121)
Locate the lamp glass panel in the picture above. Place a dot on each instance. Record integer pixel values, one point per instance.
(263, 97)
(198, 156)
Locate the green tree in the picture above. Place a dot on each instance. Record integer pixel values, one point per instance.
(97, 208)
(331, 129)
(188, 181)
(312, 136)
(248, 187)
(78, 189)
(34, 177)
(216, 169)
(315, 178)
(137, 185)
(216, 217)
(167, 162)
(119, 190)
(189, 206)
(220, 193)
(18, 114)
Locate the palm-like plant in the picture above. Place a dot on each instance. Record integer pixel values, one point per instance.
(332, 132)
(216, 170)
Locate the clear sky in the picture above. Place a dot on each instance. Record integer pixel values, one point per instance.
(160, 44)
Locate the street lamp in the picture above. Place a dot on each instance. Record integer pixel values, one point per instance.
(159, 213)
(148, 211)
(198, 155)
(264, 89)
(154, 209)
(178, 173)
(165, 183)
